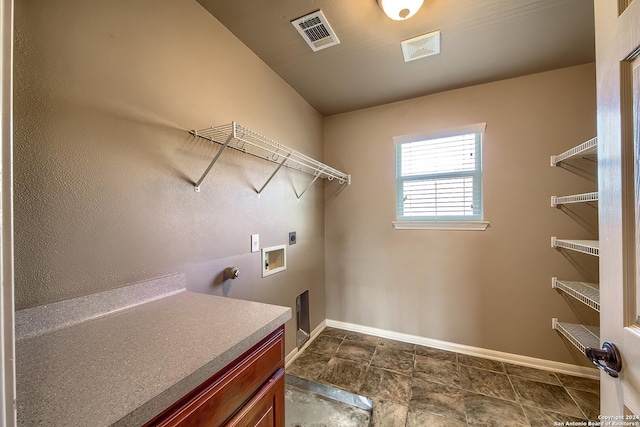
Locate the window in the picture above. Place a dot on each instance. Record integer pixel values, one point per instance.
(439, 179)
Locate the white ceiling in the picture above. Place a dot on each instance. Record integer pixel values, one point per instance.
(481, 41)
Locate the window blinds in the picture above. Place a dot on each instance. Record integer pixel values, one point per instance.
(440, 178)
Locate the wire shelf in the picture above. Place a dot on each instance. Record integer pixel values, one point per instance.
(240, 138)
(580, 336)
(575, 198)
(589, 247)
(586, 293)
(586, 149)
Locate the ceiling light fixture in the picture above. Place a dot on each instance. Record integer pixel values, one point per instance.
(399, 10)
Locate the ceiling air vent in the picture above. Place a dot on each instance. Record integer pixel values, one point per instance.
(316, 31)
(421, 46)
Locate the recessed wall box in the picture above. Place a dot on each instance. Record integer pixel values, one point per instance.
(302, 319)
(274, 260)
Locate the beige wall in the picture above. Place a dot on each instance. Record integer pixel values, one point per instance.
(105, 93)
(104, 169)
(488, 289)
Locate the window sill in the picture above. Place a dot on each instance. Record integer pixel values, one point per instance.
(441, 225)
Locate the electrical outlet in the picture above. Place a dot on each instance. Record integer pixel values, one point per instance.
(292, 238)
(255, 242)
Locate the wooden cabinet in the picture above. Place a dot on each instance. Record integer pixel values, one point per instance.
(265, 409)
(248, 392)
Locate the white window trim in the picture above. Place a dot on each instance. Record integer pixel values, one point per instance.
(459, 130)
(441, 225)
(462, 225)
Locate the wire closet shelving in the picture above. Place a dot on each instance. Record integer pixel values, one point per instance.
(585, 292)
(588, 149)
(581, 336)
(557, 201)
(238, 137)
(589, 247)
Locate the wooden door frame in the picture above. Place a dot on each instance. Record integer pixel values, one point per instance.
(7, 336)
(614, 29)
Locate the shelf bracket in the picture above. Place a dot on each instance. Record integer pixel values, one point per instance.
(249, 142)
(215, 159)
(274, 173)
(310, 184)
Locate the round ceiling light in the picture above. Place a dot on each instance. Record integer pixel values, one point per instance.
(399, 10)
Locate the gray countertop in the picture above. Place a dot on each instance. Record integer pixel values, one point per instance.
(124, 367)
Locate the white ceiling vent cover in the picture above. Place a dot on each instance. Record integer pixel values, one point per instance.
(316, 31)
(421, 46)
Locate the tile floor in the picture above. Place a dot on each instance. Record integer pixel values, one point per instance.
(412, 385)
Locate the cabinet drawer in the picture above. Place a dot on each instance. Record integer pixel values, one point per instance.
(220, 397)
(266, 409)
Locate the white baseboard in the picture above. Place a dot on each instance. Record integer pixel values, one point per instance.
(516, 359)
(293, 354)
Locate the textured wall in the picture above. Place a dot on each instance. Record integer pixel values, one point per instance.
(105, 93)
(488, 289)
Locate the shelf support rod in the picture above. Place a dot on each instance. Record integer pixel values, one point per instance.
(311, 183)
(274, 173)
(215, 159)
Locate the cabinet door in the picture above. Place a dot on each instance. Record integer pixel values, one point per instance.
(266, 409)
(222, 396)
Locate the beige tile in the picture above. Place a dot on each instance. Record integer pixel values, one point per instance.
(587, 401)
(356, 351)
(491, 412)
(344, 374)
(308, 365)
(437, 370)
(545, 396)
(487, 383)
(422, 386)
(333, 332)
(437, 399)
(541, 418)
(363, 338)
(393, 360)
(481, 363)
(388, 414)
(324, 345)
(436, 353)
(572, 381)
(386, 385)
(532, 374)
(417, 418)
(388, 344)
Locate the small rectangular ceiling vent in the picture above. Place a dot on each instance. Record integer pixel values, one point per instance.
(421, 46)
(316, 31)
